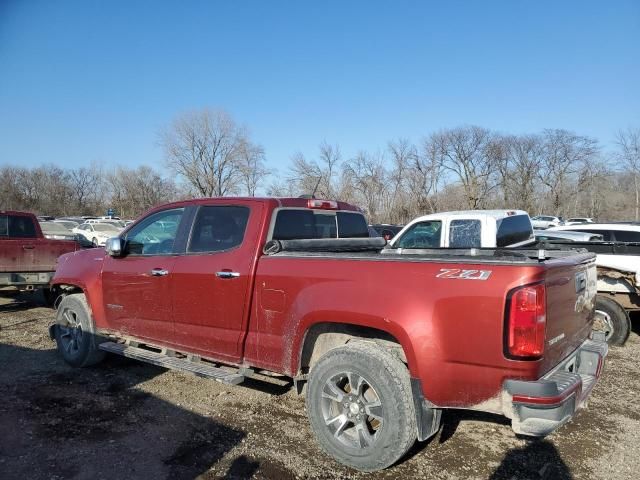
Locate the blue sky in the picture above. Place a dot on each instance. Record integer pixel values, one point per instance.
(84, 81)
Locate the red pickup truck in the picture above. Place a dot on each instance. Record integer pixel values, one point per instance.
(381, 342)
(27, 258)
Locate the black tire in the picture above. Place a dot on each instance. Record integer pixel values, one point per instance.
(94, 242)
(616, 323)
(75, 335)
(341, 426)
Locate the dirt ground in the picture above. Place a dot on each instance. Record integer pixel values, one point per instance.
(124, 419)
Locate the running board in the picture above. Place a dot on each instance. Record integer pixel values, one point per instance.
(201, 369)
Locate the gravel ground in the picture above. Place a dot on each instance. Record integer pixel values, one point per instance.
(124, 419)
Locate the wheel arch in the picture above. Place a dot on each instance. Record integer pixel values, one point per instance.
(322, 336)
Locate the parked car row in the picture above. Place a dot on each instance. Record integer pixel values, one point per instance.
(542, 222)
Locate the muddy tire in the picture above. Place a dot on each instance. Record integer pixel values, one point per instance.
(360, 406)
(616, 323)
(74, 333)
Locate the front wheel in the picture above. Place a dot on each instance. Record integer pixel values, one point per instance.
(360, 406)
(74, 333)
(612, 320)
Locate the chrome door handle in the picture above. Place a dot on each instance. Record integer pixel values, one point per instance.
(159, 272)
(227, 274)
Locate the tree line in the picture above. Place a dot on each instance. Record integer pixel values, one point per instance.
(208, 153)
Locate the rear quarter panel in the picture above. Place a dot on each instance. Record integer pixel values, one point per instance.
(451, 329)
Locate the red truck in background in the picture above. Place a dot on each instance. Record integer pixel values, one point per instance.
(381, 342)
(27, 258)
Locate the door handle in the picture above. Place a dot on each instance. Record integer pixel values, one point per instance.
(225, 274)
(28, 247)
(159, 272)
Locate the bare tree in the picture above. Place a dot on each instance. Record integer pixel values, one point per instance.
(404, 156)
(366, 176)
(252, 169)
(563, 153)
(422, 180)
(311, 176)
(469, 153)
(205, 148)
(628, 142)
(135, 190)
(519, 169)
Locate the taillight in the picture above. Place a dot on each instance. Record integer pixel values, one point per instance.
(324, 204)
(527, 310)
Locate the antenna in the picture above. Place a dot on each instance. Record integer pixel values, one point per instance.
(313, 194)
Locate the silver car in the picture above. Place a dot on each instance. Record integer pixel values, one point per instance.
(569, 236)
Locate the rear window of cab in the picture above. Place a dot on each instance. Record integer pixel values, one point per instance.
(17, 226)
(306, 224)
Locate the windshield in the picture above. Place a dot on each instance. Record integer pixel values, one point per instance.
(104, 227)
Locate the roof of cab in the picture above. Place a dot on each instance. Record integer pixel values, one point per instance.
(471, 213)
(275, 202)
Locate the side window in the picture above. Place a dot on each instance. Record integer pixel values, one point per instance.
(156, 234)
(21, 227)
(464, 234)
(4, 226)
(218, 228)
(422, 235)
(512, 230)
(626, 236)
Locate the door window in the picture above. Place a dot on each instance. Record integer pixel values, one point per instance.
(464, 234)
(422, 235)
(218, 228)
(155, 235)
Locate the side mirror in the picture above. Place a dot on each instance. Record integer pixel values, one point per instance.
(114, 247)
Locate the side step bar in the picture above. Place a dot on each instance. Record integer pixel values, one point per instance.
(162, 360)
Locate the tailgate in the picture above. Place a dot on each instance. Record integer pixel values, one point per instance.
(571, 285)
(32, 255)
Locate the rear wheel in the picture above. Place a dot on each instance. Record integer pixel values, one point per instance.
(360, 406)
(75, 337)
(612, 320)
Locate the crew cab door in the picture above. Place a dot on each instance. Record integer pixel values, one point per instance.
(19, 238)
(211, 283)
(136, 286)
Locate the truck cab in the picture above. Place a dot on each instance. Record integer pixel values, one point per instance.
(467, 229)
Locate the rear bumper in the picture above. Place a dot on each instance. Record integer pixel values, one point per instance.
(537, 408)
(25, 279)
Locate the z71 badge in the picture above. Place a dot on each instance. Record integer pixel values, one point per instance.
(464, 274)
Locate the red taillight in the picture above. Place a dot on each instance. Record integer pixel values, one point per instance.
(324, 204)
(527, 321)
